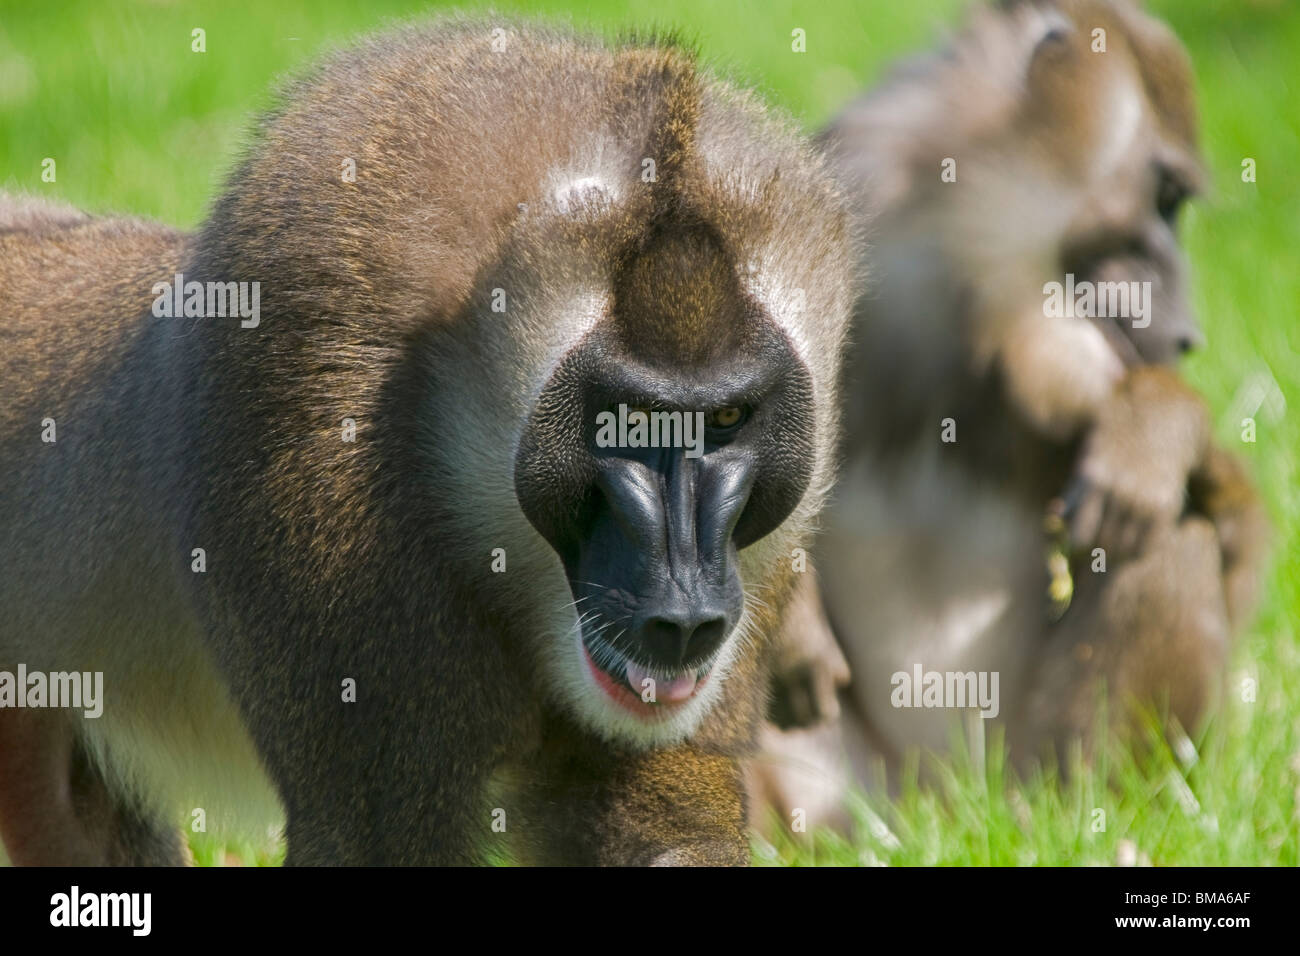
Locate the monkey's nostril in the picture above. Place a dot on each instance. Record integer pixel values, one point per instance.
(707, 638)
(665, 639)
(673, 643)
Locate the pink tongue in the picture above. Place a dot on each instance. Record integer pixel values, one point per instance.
(672, 691)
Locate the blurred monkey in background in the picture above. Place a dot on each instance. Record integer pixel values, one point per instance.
(1047, 149)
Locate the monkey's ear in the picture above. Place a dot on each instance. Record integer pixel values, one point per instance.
(1044, 7)
(1052, 41)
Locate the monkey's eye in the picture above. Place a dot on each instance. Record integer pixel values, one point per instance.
(726, 419)
(1170, 196)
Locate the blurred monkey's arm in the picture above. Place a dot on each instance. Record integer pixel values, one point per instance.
(808, 667)
(1221, 490)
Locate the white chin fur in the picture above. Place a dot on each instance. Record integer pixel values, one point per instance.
(577, 690)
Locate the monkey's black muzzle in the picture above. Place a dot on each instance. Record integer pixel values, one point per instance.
(658, 565)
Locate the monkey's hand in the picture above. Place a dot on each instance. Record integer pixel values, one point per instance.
(591, 806)
(677, 807)
(809, 668)
(1132, 476)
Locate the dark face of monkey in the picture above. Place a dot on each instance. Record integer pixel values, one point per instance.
(649, 526)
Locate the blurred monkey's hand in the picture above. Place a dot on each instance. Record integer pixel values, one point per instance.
(1132, 474)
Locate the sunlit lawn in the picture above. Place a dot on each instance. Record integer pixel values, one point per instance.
(140, 124)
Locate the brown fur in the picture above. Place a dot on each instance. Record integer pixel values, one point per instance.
(370, 560)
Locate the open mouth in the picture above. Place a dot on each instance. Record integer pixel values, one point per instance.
(628, 684)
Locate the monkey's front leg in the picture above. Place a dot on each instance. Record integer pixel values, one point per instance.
(590, 805)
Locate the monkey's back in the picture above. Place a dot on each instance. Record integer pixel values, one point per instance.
(74, 360)
(77, 289)
(82, 459)
(91, 562)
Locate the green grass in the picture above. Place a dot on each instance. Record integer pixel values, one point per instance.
(138, 123)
